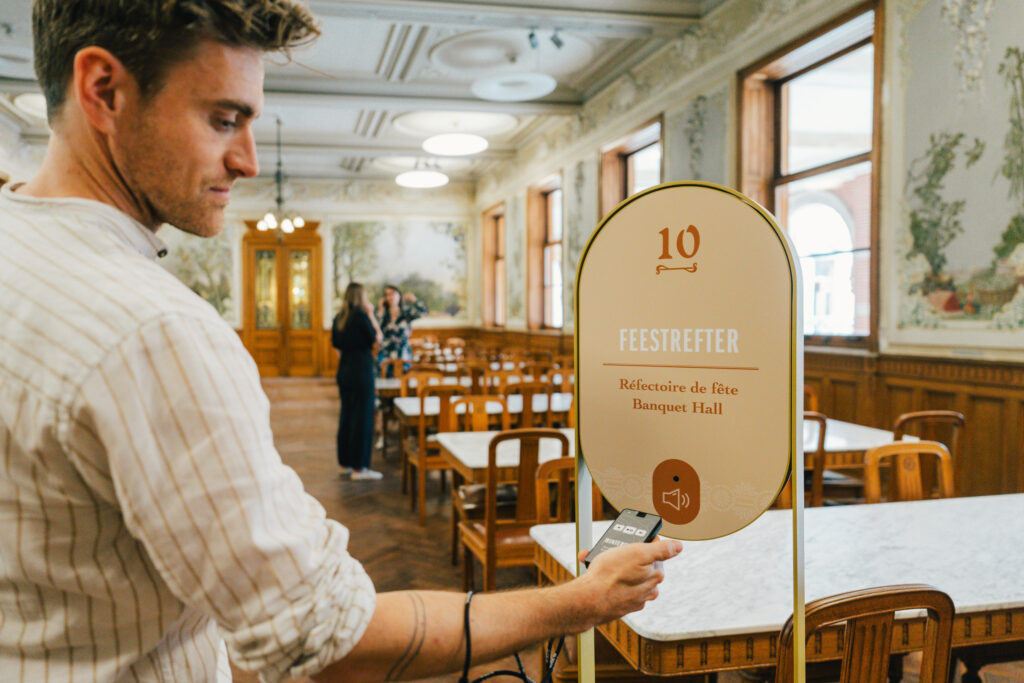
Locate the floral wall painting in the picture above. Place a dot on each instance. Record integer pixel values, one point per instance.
(427, 258)
(515, 263)
(695, 139)
(959, 231)
(205, 265)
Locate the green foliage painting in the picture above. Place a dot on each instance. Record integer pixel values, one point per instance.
(205, 266)
(934, 222)
(1012, 71)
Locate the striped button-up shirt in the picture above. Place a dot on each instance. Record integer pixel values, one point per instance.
(146, 519)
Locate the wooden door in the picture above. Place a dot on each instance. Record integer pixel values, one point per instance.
(281, 316)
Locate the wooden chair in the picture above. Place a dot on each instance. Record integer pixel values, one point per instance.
(423, 453)
(905, 470)
(868, 635)
(506, 542)
(392, 367)
(944, 426)
(414, 379)
(497, 381)
(814, 476)
(474, 369)
(470, 415)
(810, 398)
(561, 473)
(411, 381)
(527, 417)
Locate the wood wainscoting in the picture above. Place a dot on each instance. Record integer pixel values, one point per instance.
(874, 390)
(867, 389)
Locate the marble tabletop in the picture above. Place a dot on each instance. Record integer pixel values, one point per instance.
(844, 437)
(742, 584)
(409, 406)
(471, 448)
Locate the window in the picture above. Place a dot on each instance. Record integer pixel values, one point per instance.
(553, 260)
(544, 254)
(494, 266)
(630, 165)
(809, 142)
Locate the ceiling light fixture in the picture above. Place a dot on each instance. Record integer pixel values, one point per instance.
(455, 144)
(278, 219)
(534, 43)
(423, 176)
(556, 39)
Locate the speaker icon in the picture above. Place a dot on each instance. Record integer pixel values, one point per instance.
(675, 499)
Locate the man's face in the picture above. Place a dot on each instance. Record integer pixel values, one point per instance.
(180, 151)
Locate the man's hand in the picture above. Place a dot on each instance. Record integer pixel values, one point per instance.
(621, 580)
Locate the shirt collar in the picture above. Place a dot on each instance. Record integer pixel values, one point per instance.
(121, 225)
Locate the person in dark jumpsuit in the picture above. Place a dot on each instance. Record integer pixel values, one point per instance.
(354, 333)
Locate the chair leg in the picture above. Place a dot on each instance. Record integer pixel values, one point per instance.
(490, 572)
(421, 476)
(467, 569)
(455, 529)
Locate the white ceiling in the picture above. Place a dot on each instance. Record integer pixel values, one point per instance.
(382, 60)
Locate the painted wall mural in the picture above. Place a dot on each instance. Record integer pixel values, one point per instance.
(515, 262)
(206, 266)
(960, 241)
(427, 258)
(696, 137)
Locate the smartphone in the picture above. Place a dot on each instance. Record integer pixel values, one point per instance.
(631, 526)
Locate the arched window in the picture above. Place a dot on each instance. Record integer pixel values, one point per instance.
(824, 242)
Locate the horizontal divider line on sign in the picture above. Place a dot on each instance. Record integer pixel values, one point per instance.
(687, 367)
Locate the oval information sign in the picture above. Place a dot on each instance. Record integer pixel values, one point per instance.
(688, 345)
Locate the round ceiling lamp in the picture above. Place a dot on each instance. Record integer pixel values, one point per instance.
(514, 87)
(455, 144)
(421, 178)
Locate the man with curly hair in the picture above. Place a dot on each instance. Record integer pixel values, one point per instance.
(150, 529)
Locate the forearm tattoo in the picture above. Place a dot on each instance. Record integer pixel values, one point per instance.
(416, 638)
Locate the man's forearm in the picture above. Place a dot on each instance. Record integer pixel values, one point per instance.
(414, 634)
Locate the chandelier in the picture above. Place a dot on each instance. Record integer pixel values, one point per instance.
(284, 222)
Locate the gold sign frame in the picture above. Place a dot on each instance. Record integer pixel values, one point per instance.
(584, 536)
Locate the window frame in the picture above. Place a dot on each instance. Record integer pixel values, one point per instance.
(494, 304)
(614, 183)
(547, 248)
(537, 228)
(762, 132)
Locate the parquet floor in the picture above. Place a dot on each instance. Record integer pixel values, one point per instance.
(385, 536)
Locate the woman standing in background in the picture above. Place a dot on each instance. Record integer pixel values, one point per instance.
(354, 333)
(396, 315)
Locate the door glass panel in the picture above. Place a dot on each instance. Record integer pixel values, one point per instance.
(299, 294)
(266, 290)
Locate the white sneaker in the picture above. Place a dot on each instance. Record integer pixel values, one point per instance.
(366, 474)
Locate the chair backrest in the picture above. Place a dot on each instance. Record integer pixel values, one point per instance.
(810, 398)
(497, 381)
(817, 492)
(527, 417)
(526, 479)
(535, 370)
(470, 412)
(414, 379)
(445, 394)
(817, 459)
(905, 470)
(562, 379)
(561, 472)
(474, 369)
(868, 635)
(944, 426)
(392, 367)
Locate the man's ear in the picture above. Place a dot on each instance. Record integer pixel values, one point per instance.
(101, 86)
